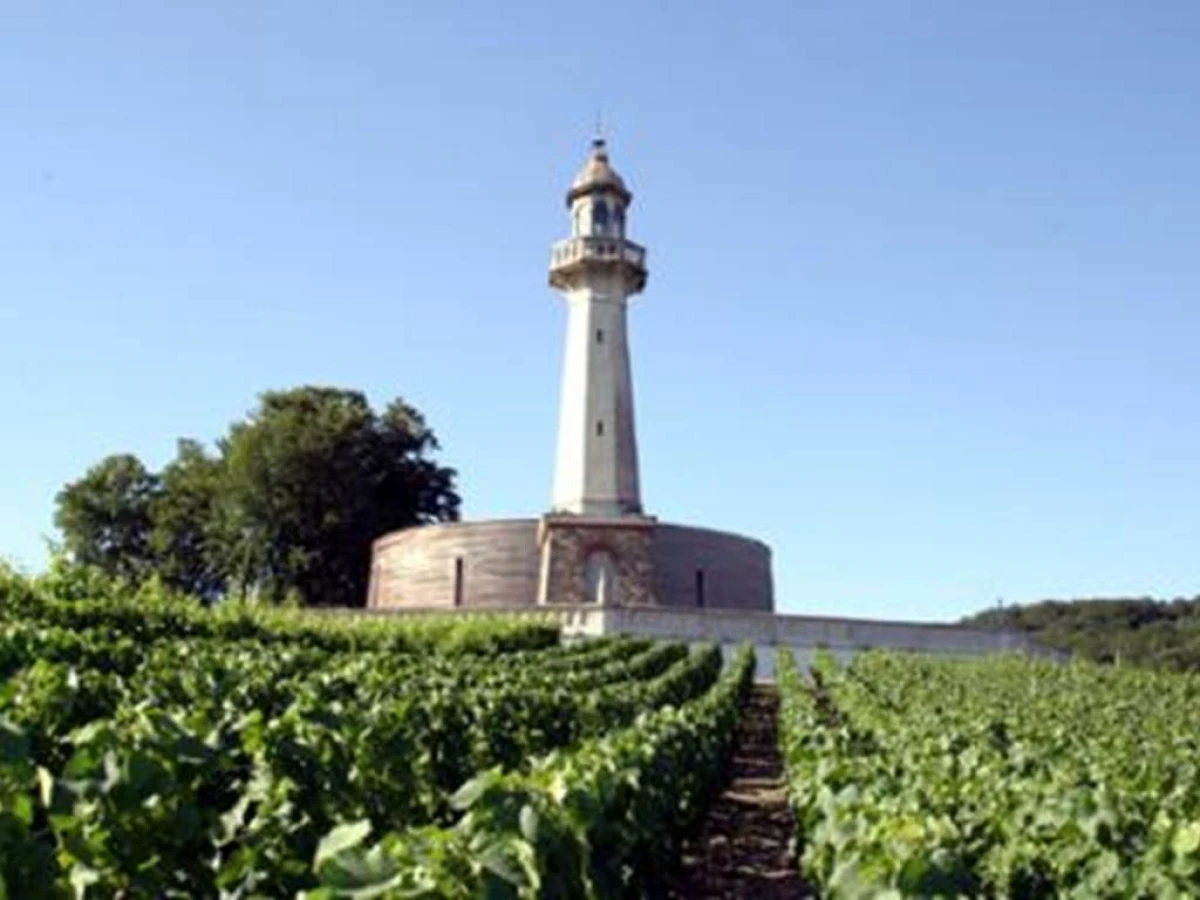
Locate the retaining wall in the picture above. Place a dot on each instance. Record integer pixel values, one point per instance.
(804, 634)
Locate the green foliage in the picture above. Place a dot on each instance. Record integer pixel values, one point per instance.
(1000, 777)
(105, 516)
(285, 513)
(185, 527)
(77, 598)
(150, 746)
(603, 820)
(1137, 631)
(311, 479)
(27, 865)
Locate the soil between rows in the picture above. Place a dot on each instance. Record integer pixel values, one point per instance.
(744, 846)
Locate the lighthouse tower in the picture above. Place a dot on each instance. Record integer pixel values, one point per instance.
(595, 542)
(597, 269)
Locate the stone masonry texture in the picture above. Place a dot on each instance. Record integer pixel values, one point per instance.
(566, 544)
(500, 564)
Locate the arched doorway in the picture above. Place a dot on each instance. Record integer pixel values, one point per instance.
(600, 578)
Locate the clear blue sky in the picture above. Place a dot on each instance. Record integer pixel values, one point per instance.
(925, 277)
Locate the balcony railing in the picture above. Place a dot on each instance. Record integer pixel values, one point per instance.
(600, 249)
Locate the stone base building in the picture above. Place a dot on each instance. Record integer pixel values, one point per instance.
(561, 560)
(595, 545)
(596, 561)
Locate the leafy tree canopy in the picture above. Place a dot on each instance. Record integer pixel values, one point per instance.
(286, 508)
(1139, 630)
(105, 516)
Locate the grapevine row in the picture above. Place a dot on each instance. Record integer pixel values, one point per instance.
(231, 801)
(999, 777)
(226, 765)
(602, 820)
(79, 599)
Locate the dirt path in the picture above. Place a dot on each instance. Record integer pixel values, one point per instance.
(742, 849)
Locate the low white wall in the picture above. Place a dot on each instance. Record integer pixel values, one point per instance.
(805, 635)
(844, 638)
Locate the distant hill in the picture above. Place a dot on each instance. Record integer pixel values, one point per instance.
(1164, 633)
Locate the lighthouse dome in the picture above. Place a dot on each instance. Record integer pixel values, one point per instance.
(597, 174)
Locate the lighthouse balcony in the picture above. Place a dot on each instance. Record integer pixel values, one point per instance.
(578, 253)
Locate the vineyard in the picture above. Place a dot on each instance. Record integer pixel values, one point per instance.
(999, 777)
(153, 748)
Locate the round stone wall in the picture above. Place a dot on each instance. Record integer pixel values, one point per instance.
(705, 569)
(497, 563)
(490, 563)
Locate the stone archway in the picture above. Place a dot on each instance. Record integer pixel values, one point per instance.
(596, 561)
(600, 577)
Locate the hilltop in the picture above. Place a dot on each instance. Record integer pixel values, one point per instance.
(1142, 631)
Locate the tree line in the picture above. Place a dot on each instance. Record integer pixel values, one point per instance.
(1139, 631)
(283, 510)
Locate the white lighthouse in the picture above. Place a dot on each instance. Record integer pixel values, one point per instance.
(595, 542)
(595, 546)
(597, 269)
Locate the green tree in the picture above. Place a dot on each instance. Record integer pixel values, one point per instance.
(105, 519)
(1139, 630)
(184, 538)
(311, 478)
(286, 510)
